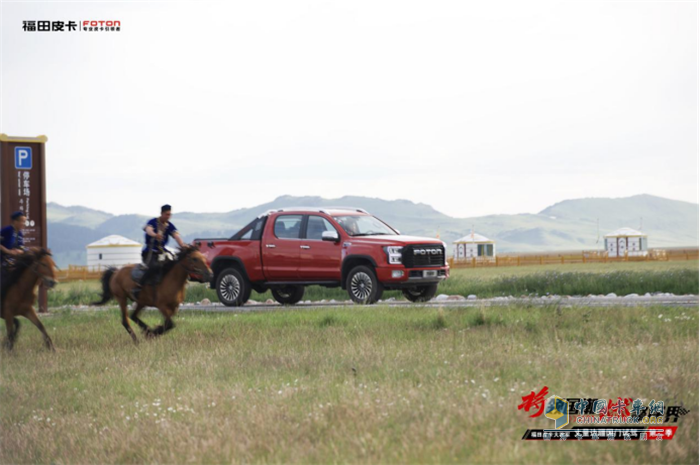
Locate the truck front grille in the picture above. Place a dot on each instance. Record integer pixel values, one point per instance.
(415, 256)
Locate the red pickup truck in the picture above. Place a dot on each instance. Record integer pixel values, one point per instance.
(286, 250)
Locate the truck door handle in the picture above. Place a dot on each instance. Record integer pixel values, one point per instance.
(305, 246)
(270, 246)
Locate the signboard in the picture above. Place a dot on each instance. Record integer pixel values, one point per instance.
(23, 187)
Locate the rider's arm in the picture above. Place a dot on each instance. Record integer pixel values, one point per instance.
(178, 239)
(150, 232)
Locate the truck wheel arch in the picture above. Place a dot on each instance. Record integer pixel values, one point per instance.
(350, 262)
(221, 263)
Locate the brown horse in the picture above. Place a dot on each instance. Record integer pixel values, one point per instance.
(166, 296)
(20, 291)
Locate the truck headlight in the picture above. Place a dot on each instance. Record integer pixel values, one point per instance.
(393, 254)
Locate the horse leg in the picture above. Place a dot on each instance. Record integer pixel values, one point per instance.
(167, 325)
(32, 316)
(125, 319)
(16, 321)
(135, 317)
(10, 323)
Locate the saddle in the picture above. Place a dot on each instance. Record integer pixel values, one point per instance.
(138, 272)
(152, 274)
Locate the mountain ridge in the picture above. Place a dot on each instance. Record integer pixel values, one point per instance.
(574, 224)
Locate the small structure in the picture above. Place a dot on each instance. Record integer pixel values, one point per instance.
(112, 251)
(474, 246)
(626, 242)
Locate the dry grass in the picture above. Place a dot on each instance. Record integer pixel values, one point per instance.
(355, 385)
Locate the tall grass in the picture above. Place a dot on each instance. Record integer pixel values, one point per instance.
(621, 279)
(580, 283)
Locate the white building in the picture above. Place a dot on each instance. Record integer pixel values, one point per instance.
(112, 251)
(626, 241)
(474, 246)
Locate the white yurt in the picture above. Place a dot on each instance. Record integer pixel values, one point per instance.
(626, 241)
(474, 246)
(112, 251)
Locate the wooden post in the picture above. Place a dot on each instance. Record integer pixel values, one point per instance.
(23, 187)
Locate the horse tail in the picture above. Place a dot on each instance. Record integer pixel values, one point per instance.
(106, 291)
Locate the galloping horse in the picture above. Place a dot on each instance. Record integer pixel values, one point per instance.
(20, 290)
(166, 296)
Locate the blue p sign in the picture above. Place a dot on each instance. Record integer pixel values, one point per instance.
(23, 158)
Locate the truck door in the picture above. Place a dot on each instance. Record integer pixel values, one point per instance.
(281, 248)
(320, 260)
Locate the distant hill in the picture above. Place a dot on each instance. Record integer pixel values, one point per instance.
(567, 225)
(75, 216)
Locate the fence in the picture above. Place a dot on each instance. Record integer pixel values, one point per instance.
(75, 273)
(564, 258)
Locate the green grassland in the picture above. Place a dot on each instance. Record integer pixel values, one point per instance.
(363, 384)
(678, 277)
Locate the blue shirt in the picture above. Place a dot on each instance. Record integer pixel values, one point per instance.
(11, 238)
(152, 242)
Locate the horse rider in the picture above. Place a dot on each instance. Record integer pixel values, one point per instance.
(158, 231)
(11, 242)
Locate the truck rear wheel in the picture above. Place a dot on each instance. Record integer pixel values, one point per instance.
(288, 295)
(232, 288)
(420, 293)
(363, 286)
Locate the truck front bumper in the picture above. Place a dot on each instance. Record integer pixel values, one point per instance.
(397, 277)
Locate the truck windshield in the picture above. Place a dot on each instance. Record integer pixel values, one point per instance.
(364, 225)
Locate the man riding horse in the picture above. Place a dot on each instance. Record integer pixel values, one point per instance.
(158, 231)
(11, 244)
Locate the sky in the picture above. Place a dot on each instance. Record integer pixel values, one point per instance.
(474, 108)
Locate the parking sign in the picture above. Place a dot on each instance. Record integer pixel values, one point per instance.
(23, 158)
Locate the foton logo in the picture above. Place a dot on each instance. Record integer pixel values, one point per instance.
(101, 23)
(70, 26)
(427, 252)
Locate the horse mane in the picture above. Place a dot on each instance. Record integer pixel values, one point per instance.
(21, 263)
(181, 255)
(168, 265)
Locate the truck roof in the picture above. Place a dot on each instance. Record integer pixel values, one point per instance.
(327, 210)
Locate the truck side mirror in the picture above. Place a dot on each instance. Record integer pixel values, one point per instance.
(331, 236)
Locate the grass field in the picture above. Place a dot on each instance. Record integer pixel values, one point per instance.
(352, 385)
(679, 277)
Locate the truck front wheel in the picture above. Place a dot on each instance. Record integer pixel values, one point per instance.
(288, 295)
(420, 293)
(232, 288)
(363, 286)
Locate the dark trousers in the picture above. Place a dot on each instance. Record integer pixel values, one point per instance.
(154, 267)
